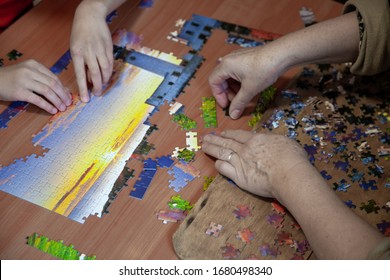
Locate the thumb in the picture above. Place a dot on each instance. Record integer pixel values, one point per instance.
(239, 102)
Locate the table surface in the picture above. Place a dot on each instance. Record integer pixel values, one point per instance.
(131, 229)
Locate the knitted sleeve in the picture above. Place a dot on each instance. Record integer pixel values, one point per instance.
(374, 24)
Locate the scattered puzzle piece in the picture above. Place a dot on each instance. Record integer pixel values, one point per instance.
(209, 109)
(245, 235)
(266, 250)
(214, 229)
(242, 211)
(230, 252)
(178, 203)
(192, 141)
(171, 216)
(185, 122)
(370, 207)
(14, 55)
(275, 220)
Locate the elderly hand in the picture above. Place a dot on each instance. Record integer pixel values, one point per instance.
(241, 75)
(258, 163)
(91, 47)
(32, 82)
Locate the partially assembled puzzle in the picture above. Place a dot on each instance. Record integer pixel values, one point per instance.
(88, 147)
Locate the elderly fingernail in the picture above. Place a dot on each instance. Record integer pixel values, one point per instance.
(235, 114)
(206, 138)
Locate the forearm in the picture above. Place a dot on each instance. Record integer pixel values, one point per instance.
(332, 41)
(333, 230)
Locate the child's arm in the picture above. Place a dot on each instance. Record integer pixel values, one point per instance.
(91, 45)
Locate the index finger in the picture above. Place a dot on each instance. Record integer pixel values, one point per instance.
(79, 70)
(219, 86)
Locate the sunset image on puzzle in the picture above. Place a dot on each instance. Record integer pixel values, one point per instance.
(87, 146)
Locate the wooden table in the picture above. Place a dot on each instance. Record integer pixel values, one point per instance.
(131, 229)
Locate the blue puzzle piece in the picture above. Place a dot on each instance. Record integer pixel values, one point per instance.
(311, 150)
(165, 162)
(325, 175)
(181, 179)
(384, 227)
(341, 165)
(371, 184)
(340, 149)
(358, 134)
(350, 204)
(342, 187)
(330, 136)
(138, 193)
(356, 176)
(150, 164)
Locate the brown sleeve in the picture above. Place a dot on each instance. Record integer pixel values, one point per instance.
(374, 53)
(381, 252)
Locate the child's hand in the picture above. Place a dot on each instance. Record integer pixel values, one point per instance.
(91, 48)
(32, 82)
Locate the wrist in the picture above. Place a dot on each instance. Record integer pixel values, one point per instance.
(93, 7)
(285, 183)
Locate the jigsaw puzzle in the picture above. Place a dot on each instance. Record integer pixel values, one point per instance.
(76, 175)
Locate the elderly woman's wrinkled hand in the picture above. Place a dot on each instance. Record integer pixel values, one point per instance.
(258, 163)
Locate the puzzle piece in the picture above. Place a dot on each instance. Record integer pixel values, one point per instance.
(164, 162)
(275, 220)
(14, 55)
(384, 228)
(356, 176)
(186, 155)
(341, 165)
(342, 186)
(245, 235)
(284, 238)
(145, 179)
(370, 207)
(350, 204)
(192, 141)
(182, 173)
(178, 203)
(278, 208)
(176, 107)
(185, 122)
(301, 247)
(171, 216)
(214, 229)
(266, 250)
(209, 109)
(371, 184)
(207, 181)
(325, 175)
(242, 211)
(229, 251)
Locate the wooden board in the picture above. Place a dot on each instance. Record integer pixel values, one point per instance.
(217, 205)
